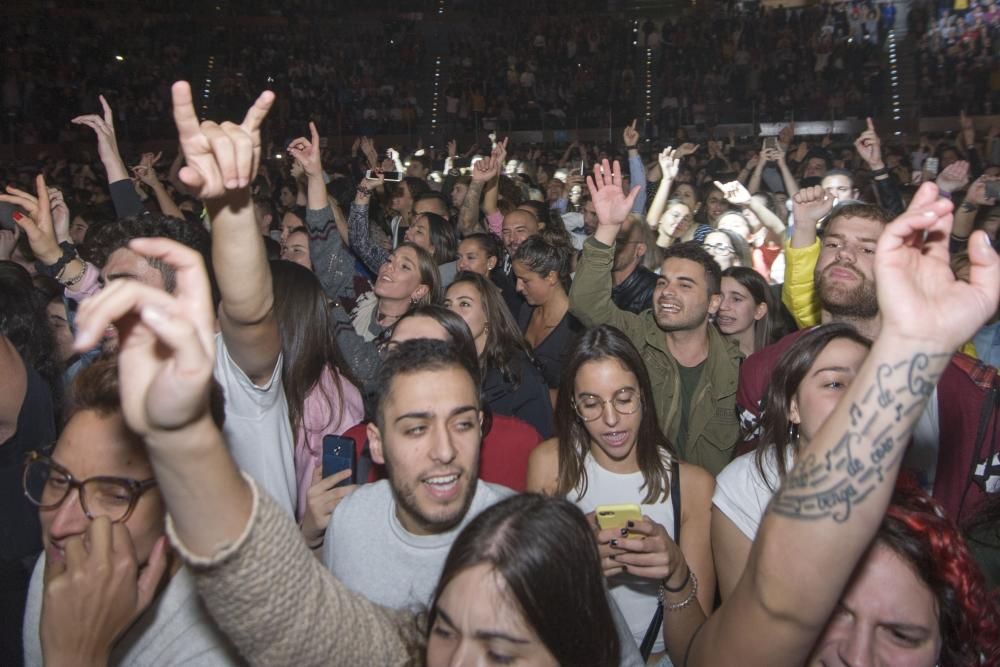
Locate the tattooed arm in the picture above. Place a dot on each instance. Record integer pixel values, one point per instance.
(823, 518)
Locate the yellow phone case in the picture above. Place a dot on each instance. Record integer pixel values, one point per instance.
(617, 516)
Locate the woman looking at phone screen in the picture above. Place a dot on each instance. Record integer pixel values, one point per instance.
(609, 450)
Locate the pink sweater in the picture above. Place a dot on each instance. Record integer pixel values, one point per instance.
(326, 413)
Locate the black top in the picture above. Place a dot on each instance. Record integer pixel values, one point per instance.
(528, 401)
(635, 293)
(551, 353)
(20, 532)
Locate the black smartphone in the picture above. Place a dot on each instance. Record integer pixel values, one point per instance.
(7, 216)
(338, 454)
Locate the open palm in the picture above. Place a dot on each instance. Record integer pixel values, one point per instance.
(610, 201)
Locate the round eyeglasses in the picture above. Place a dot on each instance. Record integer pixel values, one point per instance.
(47, 484)
(590, 407)
(719, 248)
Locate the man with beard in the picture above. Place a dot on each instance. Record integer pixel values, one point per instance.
(388, 540)
(844, 281)
(693, 368)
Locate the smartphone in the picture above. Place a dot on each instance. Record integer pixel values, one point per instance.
(770, 143)
(931, 166)
(338, 454)
(992, 189)
(581, 167)
(617, 516)
(387, 176)
(461, 162)
(7, 216)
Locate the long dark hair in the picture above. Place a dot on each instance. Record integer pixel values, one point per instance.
(607, 342)
(765, 328)
(443, 237)
(307, 342)
(916, 529)
(504, 341)
(24, 321)
(777, 431)
(458, 331)
(544, 551)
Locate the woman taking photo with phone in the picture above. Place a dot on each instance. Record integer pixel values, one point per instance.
(609, 450)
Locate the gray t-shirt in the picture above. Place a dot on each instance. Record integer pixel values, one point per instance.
(368, 549)
(175, 630)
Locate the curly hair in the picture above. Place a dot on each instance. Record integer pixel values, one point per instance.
(116, 235)
(916, 529)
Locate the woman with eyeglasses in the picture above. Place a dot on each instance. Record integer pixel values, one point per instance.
(99, 469)
(727, 248)
(609, 450)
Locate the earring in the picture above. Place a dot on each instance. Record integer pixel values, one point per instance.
(793, 433)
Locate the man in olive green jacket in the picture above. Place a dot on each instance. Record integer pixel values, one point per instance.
(693, 368)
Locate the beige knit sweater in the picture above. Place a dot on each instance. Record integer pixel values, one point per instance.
(281, 607)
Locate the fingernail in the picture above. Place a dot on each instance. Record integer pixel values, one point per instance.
(930, 214)
(232, 183)
(614, 543)
(630, 524)
(624, 532)
(624, 568)
(17, 215)
(986, 241)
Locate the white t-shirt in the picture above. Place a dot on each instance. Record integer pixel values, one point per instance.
(175, 630)
(742, 494)
(257, 429)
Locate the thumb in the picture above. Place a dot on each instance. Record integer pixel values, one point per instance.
(152, 574)
(925, 194)
(984, 274)
(722, 187)
(633, 193)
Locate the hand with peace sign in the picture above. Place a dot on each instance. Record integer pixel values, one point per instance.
(222, 157)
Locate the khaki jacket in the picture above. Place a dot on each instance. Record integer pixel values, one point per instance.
(713, 426)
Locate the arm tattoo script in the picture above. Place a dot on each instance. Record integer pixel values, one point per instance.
(872, 444)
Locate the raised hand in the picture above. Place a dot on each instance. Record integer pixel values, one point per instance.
(976, 194)
(810, 205)
(368, 148)
(167, 341)
(686, 149)
(222, 157)
(307, 152)
(919, 296)
(36, 222)
(801, 151)
(670, 163)
(610, 201)
(954, 177)
(869, 147)
(94, 597)
(631, 136)
(107, 144)
(787, 134)
(60, 214)
(734, 192)
(452, 148)
(489, 168)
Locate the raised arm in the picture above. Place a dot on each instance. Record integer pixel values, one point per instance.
(965, 215)
(359, 233)
(810, 205)
(484, 173)
(869, 147)
(590, 294)
(670, 164)
(636, 169)
(832, 502)
(145, 171)
(221, 164)
(738, 195)
(123, 194)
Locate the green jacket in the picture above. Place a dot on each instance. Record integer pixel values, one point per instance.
(713, 426)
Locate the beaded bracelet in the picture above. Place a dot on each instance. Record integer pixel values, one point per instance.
(688, 600)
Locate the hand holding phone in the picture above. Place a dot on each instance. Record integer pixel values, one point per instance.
(387, 176)
(338, 455)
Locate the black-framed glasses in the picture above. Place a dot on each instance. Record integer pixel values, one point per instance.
(47, 484)
(625, 402)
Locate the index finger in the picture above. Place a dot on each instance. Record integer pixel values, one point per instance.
(314, 134)
(185, 118)
(43, 194)
(258, 112)
(871, 125)
(109, 118)
(99, 535)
